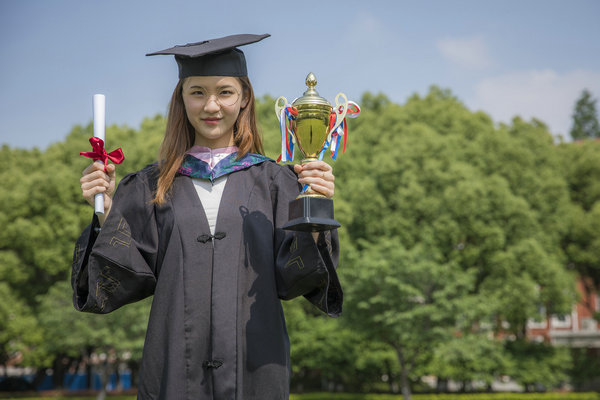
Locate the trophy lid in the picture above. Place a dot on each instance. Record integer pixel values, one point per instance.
(311, 96)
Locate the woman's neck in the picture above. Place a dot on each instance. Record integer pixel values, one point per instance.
(219, 143)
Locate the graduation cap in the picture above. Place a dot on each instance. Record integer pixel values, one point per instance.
(215, 57)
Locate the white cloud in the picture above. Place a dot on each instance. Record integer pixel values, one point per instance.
(468, 53)
(543, 94)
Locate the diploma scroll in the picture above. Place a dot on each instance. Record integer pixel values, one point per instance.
(99, 103)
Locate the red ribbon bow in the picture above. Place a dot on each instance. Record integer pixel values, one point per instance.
(99, 153)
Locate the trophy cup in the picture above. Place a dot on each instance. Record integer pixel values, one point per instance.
(310, 123)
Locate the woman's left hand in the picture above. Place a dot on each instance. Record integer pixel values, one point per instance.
(317, 174)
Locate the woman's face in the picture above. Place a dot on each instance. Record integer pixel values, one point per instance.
(212, 105)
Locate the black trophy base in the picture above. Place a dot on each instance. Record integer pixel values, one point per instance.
(311, 214)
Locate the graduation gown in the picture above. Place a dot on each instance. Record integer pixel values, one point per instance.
(216, 328)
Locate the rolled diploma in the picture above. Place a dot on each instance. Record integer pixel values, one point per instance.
(99, 103)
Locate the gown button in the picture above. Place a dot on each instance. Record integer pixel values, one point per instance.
(212, 364)
(204, 238)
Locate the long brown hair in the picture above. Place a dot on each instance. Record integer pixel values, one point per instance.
(180, 136)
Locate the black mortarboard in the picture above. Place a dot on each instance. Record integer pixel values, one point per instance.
(218, 57)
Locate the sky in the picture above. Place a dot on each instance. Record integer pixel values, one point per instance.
(530, 58)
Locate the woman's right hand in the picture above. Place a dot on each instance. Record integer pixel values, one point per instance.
(94, 181)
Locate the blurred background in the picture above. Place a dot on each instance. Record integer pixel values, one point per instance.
(469, 193)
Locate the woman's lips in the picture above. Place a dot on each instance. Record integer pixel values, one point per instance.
(211, 121)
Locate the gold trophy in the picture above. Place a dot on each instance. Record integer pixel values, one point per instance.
(310, 130)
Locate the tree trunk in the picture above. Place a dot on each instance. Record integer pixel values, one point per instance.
(465, 386)
(103, 369)
(89, 372)
(405, 390)
(441, 385)
(133, 370)
(40, 375)
(59, 368)
(404, 371)
(102, 394)
(392, 378)
(118, 377)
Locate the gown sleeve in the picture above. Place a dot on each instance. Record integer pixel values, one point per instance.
(303, 267)
(116, 265)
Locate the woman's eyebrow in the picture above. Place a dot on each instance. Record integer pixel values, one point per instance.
(218, 87)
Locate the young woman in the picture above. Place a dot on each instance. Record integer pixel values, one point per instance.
(201, 231)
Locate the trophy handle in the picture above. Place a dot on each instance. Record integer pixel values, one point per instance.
(280, 105)
(340, 115)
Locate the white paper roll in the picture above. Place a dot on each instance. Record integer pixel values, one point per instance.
(99, 103)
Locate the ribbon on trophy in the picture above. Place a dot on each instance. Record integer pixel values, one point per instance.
(333, 141)
(288, 114)
(341, 132)
(99, 153)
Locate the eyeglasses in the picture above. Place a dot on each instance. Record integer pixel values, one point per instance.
(226, 97)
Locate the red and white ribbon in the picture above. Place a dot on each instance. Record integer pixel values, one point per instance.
(288, 114)
(341, 132)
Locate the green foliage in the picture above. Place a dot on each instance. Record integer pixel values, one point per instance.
(450, 224)
(122, 330)
(585, 118)
(472, 357)
(582, 242)
(372, 102)
(327, 353)
(586, 366)
(18, 330)
(269, 126)
(538, 364)
(582, 171)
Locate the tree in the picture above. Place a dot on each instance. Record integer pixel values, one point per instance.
(538, 366)
(372, 102)
(471, 357)
(585, 118)
(407, 300)
(43, 209)
(323, 352)
(18, 329)
(76, 337)
(581, 162)
(450, 224)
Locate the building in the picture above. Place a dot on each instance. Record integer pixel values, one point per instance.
(578, 329)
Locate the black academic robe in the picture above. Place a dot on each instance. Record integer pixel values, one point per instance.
(216, 328)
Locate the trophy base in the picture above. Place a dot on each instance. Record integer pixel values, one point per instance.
(311, 214)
